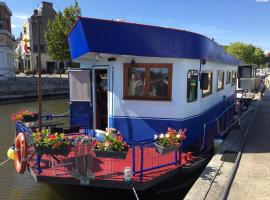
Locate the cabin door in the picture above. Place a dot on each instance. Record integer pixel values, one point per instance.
(100, 98)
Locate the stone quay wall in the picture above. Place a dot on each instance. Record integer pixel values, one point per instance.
(27, 87)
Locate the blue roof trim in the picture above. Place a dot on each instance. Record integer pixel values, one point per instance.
(105, 36)
(78, 44)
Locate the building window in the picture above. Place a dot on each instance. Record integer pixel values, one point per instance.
(208, 91)
(148, 81)
(228, 77)
(233, 78)
(24, 30)
(1, 24)
(192, 85)
(220, 80)
(245, 72)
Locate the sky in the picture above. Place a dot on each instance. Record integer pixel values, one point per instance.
(226, 21)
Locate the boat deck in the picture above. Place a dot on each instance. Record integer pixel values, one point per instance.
(107, 172)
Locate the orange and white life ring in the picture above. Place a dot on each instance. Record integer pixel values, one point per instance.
(20, 153)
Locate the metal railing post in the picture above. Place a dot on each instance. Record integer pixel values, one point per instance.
(133, 159)
(180, 155)
(175, 157)
(224, 123)
(141, 168)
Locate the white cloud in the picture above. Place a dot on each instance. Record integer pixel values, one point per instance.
(262, 1)
(21, 17)
(14, 26)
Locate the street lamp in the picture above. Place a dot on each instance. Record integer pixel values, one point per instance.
(37, 21)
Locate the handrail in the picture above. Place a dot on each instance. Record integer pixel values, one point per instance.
(213, 120)
(219, 115)
(141, 142)
(51, 116)
(10, 71)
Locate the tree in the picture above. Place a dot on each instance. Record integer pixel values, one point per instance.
(58, 30)
(247, 53)
(267, 60)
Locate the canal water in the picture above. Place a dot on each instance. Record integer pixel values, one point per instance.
(23, 187)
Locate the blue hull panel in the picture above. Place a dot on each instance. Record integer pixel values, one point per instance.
(81, 114)
(137, 129)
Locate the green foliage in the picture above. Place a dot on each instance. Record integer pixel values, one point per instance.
(267, 60)
(247, 53)
(51, 140)
(58, 30)
(113, 141)
(170, 138)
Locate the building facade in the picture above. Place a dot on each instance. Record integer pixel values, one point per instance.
(6, 43)
(28, 46)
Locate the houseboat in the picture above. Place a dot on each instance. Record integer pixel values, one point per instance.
(140, 80)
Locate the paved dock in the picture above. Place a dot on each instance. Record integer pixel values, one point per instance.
(252, 179)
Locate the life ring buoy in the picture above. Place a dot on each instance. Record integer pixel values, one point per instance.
(20, 153)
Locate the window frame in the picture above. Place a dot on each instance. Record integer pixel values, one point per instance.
(228, 73)
(147, 67)
(233, 83)
(219, 89)
(197, 83)
(211, 84)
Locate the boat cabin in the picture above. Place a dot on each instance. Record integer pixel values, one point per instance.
(142, 79)
(247, 78)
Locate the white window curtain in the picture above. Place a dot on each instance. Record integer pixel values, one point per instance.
(80, 87)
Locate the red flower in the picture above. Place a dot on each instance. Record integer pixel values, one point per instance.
(119, 138)
(52, 137)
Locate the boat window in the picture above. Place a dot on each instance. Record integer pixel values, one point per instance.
(192, 85)
(245, 72)
(208, 91)
(148, 81)
(233, 78)
(228, 77)
(80, 88)
(220, 80)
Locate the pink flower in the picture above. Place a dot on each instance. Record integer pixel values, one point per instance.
(106, 145)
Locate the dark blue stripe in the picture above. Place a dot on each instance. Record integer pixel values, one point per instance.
(136, 129)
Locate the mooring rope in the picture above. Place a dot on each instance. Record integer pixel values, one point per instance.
(4, 162)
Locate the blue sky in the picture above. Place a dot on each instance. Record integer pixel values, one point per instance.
(224, 20)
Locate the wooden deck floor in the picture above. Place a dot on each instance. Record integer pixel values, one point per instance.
(104, 169)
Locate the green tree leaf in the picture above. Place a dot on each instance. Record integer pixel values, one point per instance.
(247, 53)
(58, 30)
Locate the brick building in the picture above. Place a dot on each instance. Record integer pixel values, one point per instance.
(6, 42)
(29, 41)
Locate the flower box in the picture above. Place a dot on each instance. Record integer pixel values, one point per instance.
(111, 146)
(170, 141)
(163, 150)
(110, 154)
(46, 142)
(64, 150)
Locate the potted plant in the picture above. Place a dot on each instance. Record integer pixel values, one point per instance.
(170, 141)
(25, 116)
(112, 145)
(51, 143)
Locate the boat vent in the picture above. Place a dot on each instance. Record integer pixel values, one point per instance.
(229, 156)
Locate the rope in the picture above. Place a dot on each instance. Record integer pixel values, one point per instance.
(135, 193)
(4, 162)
